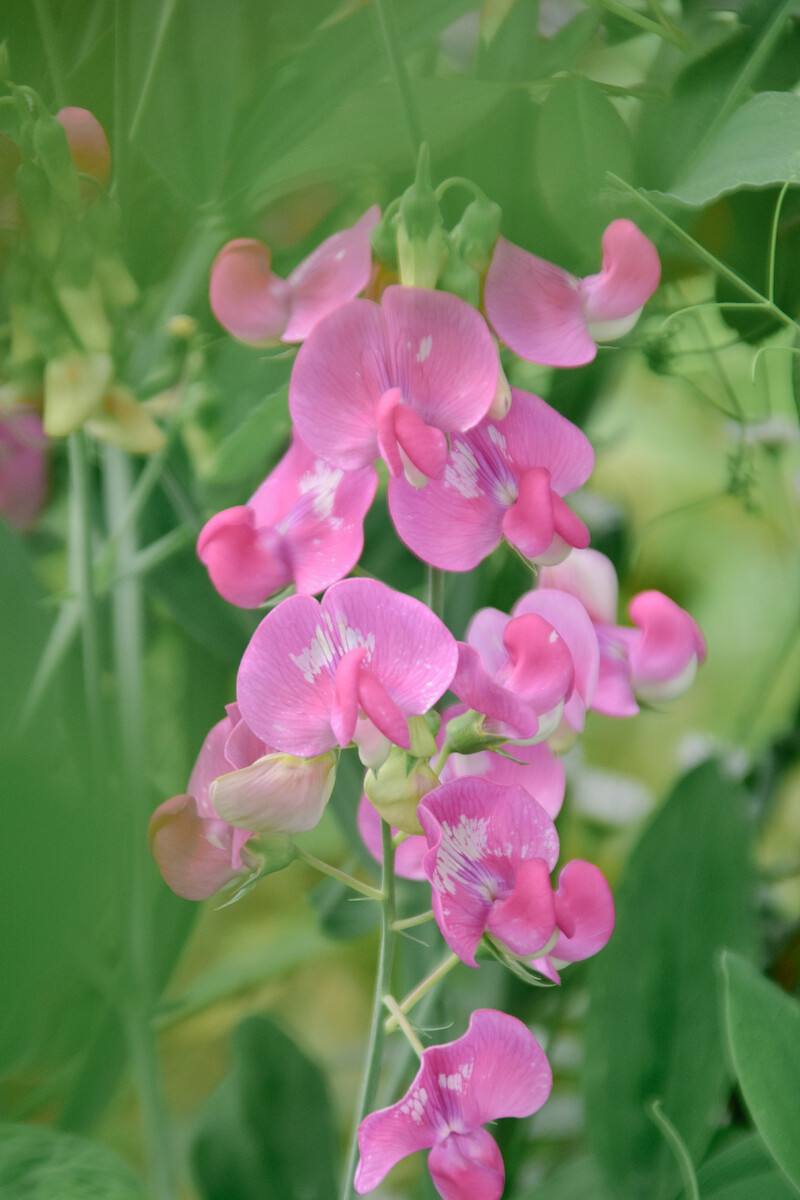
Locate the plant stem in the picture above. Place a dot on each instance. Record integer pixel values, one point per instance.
(676, 1145)
(341, 876)
(434, 594)
(47, 32)
(773, 242)
(404, 1025)
(167, 13)
(393, 53)
(412, 922)
(383, 985)
(82, 582)
(425, 985)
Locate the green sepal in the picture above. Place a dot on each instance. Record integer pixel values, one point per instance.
(475, 234)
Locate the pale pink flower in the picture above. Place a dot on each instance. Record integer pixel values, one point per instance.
(87, 141)
(502, 479)
(546, 315)
(312, 669)
(23, 466)
(259, 307)
(394, 379)
(304, 526)
(496, 1069)
(657, 660)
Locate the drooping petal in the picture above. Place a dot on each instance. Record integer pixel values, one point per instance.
(536, 769)
(536, 435)
(665, 657)
(87, 141)
(590, 577)
(339, 375)
(584, 912)
(570, 619)
(467, 1166)
(541, 665)
(389, 1135)
(443, 358)
(535, 308)
(194, 854)
(409, 854)
(477, 689)
(245, 296)
(246, 563)
(335, 272)
(613, 299)
(23, 467)
(528, 524)
(276, 794)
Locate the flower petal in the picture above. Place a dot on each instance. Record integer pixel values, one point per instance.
(449, 523)
(525, 920)
(535, 308)
(542, 669)
(246, 563)
(391, 1134)
(478, 690)
(631, 272)
(590, 577)
(537, 770)
(211, 761)
(87, 141)
(194, 854)
(584, 912)
(409, 854)
(335, 272)
(671, 641)
(539, 436)
(570, 619)
(23, 465)
(276, 794)
(245, 297)
(528, 523)
(613, 695)
(467, 1166)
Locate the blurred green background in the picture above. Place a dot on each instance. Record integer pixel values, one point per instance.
(284, 121)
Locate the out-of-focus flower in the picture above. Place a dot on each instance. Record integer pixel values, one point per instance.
(655, 661)
(23, 466)
(394, 380)
(496, 1069)
(548, 316)
(304, 526)
(87, 141)
(313, 669)
(258, 307)
(409, 854)
(503, 478)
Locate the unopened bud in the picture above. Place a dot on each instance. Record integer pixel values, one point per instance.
(476, 233)
(422, 737)
(182, 326)
(87, 142)
(460, 279)
(397, 787)
(421, 247)
(384, 238)
(466, 735)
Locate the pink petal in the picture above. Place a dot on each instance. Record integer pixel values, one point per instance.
(537, 770)
(193, 853)
(525, 920)
(391, 1134)
(613, 695)
(467, 1166)
(245, 297)
(381, 709)
(485, 634)
(87, 141)
(23, 467)
(276, 794)
(631, 272)
(590, 577)
(541, 663)
(334, 273)
(242, 747)
(478, 690)
(528, 523)
(450, 523)
(538, 436)
(570, 619)
(344, 713)
(409, 854)
(535, 308)
(211, 761)
(443, 357)
(339, 375)
(424, 445)
(671, 640)
(584, 908)
(246, 563)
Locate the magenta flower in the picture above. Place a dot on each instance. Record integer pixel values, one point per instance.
(490, 853)
(584, 918)
(23, 466)
(525, 670)
(394, 379)
(655, 661)
(87, 141)
(312, 669)
(304, 526)
(258, 307)
(496, 1069)
(548, 316)
(502, 479)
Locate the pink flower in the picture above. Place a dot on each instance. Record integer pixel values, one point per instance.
(394, 379)
(408, 855)
(655, 661)
(584, 917)
(496, 1069)
(312, 669)
(303, 526)
(523, 671)
(548, 316)
(502, 479)
(87, 141)
(258, 307)
(490, 853)
(23, 466)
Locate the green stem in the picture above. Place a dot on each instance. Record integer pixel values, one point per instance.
(47, 32)
(383, 986)
(676, 1145)
(82, 583)
(393, 53)
(403, 1024)
(773, 241)
(434, 592)
(424, 986)
(342, 877)
(668, 32)
(165, 19)
(412, 922)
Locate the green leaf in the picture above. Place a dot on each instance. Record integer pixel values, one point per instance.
(255, 443)
(40, 1164)
(267, 1132)
(581, 136)
(763, 1028)
(741, 1171)
(758, 147)
(575, 1180)
(653, 1030)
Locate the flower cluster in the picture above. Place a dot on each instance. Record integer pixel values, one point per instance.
(410, 381)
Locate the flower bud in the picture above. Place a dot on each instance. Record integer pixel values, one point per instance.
(466, 734)
(195, 855)
(459, 278)
(476, 233)
(276, 794)
(422, 734)
(384, 238)
(397, 787)
(421, 246)
(87, 142)
(74, 386)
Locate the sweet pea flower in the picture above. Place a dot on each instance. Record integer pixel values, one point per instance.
(394, 379)
(502, 479)
(409, 854)
(655, 661)
(496, 1069)
(258, 307)
(317, 675)
(23, 466)
(87, 141)
(548, 316)
(304, 525)
(526, 670)
(584, 909)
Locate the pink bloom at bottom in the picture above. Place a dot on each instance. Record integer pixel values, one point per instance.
(496, 1069)
(23, 466)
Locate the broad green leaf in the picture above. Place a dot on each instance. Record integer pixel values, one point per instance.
(653, 1030)
(758, 147)
(40, 1164)
(576, 1180)
(249, 449)
(267, 1132)
(741, 1171)
(763, 1029)
(581, 137)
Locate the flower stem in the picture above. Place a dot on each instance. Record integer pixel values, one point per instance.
(411, 922)
(341, 876)
(404, 1025)
(393, 53)
(425, 985)
(434, 596)
(82, 582)
(383, 975)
